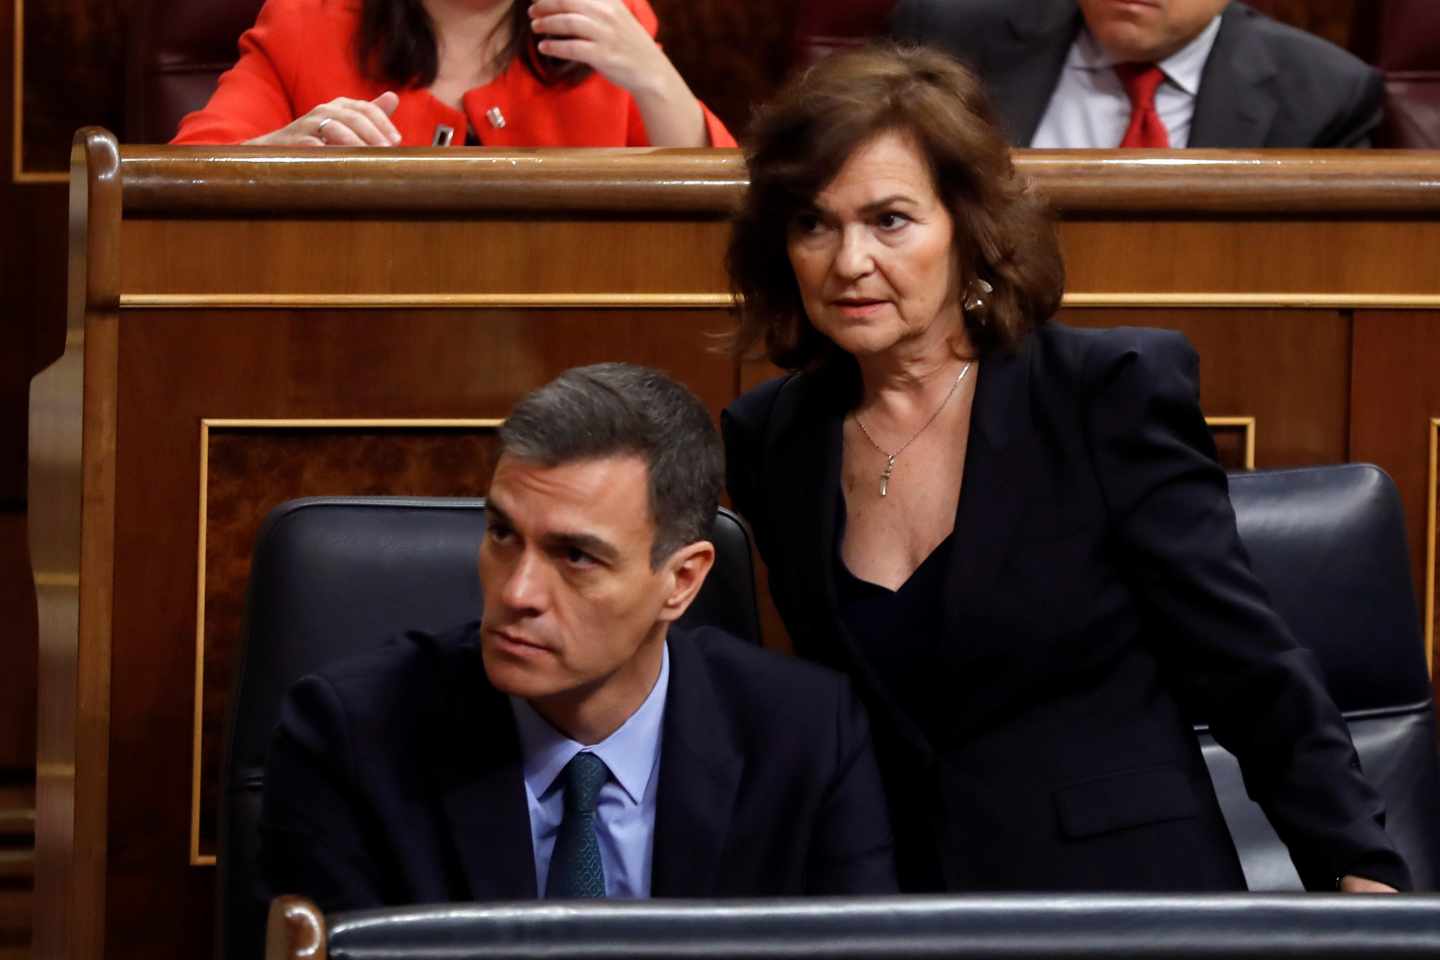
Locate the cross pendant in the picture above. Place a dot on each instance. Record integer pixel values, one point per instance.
(885, 476)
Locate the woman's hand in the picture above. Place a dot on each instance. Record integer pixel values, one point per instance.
(342, 122)
(1354, 884)
(604, 35)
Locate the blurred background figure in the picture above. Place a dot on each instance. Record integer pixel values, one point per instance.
(1152, 73)
(437, 72)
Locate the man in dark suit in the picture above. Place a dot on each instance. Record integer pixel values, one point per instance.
(1101, 73)
(571, 744)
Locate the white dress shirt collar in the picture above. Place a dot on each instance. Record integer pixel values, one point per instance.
(1182, 68)
(630, 752)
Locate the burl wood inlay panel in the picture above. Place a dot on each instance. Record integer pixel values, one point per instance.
(250, 471)
(1395, 403)
(74, 71)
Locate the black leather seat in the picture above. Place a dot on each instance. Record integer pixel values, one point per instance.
(1017, 927)
(1329, 544)
(332, 575)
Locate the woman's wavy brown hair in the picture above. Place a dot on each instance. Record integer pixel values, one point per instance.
(1004, 231)
(396, 44)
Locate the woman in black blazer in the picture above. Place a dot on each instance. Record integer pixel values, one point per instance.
(1014, 535)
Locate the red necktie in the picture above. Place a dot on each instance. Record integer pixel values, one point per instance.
(1141, 80)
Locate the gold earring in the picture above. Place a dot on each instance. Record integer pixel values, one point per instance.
(977, 299)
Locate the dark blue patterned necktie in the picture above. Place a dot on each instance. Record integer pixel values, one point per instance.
(575, 867)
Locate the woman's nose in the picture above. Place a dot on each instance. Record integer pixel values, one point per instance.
(854, 257)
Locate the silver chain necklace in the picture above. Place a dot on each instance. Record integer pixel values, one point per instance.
(890, 457)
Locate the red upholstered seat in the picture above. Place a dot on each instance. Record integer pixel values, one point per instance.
(1403, 39)
(824, 26)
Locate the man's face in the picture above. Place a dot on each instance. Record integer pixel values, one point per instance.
(1143, 31)
(575, 618)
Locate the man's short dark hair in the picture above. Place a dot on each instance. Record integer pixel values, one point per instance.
(620, 409)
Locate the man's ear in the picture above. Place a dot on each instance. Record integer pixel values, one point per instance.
(686, 569)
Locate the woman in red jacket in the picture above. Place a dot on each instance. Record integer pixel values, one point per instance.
(424, 72)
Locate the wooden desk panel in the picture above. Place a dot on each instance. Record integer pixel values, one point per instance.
(353, 286)
(1288, 369)
(1395, 422)
(193, 260)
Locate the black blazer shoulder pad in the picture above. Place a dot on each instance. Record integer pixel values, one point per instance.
(411, 675)
(404, 653)
(760, 688)
(1093, 357)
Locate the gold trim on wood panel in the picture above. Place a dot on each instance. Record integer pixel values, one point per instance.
(1257, 301)
(197, 859)
(204, 500)
(20, 818)
(17, 864)
(26, 179)
(56, 578)
(1245, 423)
(346, 423)
(17, 139)
(17, 64)
(724, 301)
(1430, 560)
(61, 771)
(422, 301)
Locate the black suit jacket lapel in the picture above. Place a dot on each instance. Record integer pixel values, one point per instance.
(700, 768)
(482, 785)
(1001, 454)
(1237, 101)
(1024, 67)
(802, 477)
(807, 458)
(803, 459)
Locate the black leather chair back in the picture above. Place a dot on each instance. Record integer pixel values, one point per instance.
(1013, 927)
(1329, 544)
(333, 575)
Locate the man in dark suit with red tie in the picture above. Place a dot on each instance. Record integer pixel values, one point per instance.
(572, 744)
(1152, 73)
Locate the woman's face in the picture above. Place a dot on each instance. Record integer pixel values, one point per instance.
(873, 258)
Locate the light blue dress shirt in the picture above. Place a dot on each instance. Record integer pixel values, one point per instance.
(625, 811)
(1090, 108)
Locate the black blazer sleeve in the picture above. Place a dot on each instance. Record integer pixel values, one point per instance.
(312, 834)
(1229, 654)
(850, 850)
(744, 426)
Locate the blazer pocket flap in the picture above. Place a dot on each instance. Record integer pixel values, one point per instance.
(1124, 800)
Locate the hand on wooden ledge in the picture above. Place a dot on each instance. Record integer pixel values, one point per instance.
(343, 122)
